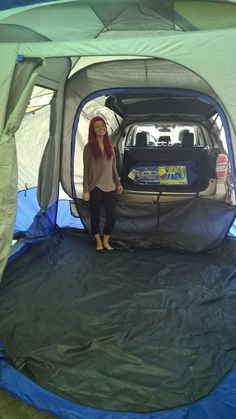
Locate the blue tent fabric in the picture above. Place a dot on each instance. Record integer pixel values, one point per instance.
(15, 253)
(27, 208)
(11, 4)
(57, 216)
(220, 404)
(232, 231)
(65, 219)
(43, 224)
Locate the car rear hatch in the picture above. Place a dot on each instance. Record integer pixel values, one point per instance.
(160, 107)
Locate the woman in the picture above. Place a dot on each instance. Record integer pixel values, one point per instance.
(100, 181)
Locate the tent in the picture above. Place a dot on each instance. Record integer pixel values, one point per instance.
(77, 52)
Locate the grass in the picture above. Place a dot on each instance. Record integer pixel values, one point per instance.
(12, 408)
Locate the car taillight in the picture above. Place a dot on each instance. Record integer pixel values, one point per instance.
(221, 167)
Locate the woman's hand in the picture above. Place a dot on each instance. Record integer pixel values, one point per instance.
(86, 196)
(119, 189)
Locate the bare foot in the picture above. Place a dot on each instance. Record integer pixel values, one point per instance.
(99, 246)
(107, 246)
(106, 243)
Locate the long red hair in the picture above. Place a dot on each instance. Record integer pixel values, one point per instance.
(92, 140)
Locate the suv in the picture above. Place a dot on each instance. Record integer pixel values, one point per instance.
(169, 148)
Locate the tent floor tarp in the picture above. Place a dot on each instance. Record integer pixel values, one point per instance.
(139, 331)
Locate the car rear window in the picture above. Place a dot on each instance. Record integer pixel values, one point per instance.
(159, 135)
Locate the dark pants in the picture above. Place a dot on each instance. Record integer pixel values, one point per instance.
(98, 199)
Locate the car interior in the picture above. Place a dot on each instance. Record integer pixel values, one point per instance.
(167, 145)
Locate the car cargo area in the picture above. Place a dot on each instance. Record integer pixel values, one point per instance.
(166, 169)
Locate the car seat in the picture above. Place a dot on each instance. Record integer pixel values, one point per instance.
(141, 139)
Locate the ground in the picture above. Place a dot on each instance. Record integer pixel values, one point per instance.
(11, 408)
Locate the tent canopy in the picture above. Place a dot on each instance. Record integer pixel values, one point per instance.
(169, 30)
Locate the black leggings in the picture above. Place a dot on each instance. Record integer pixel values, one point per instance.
(98, 198)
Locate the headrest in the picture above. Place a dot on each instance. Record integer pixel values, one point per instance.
(141, 139)
(187, 139)
(181, 133)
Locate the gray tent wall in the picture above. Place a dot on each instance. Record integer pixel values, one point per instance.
(50, 165)
(22, 81)
(144, 73)
(7, 157)
(30, 145)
